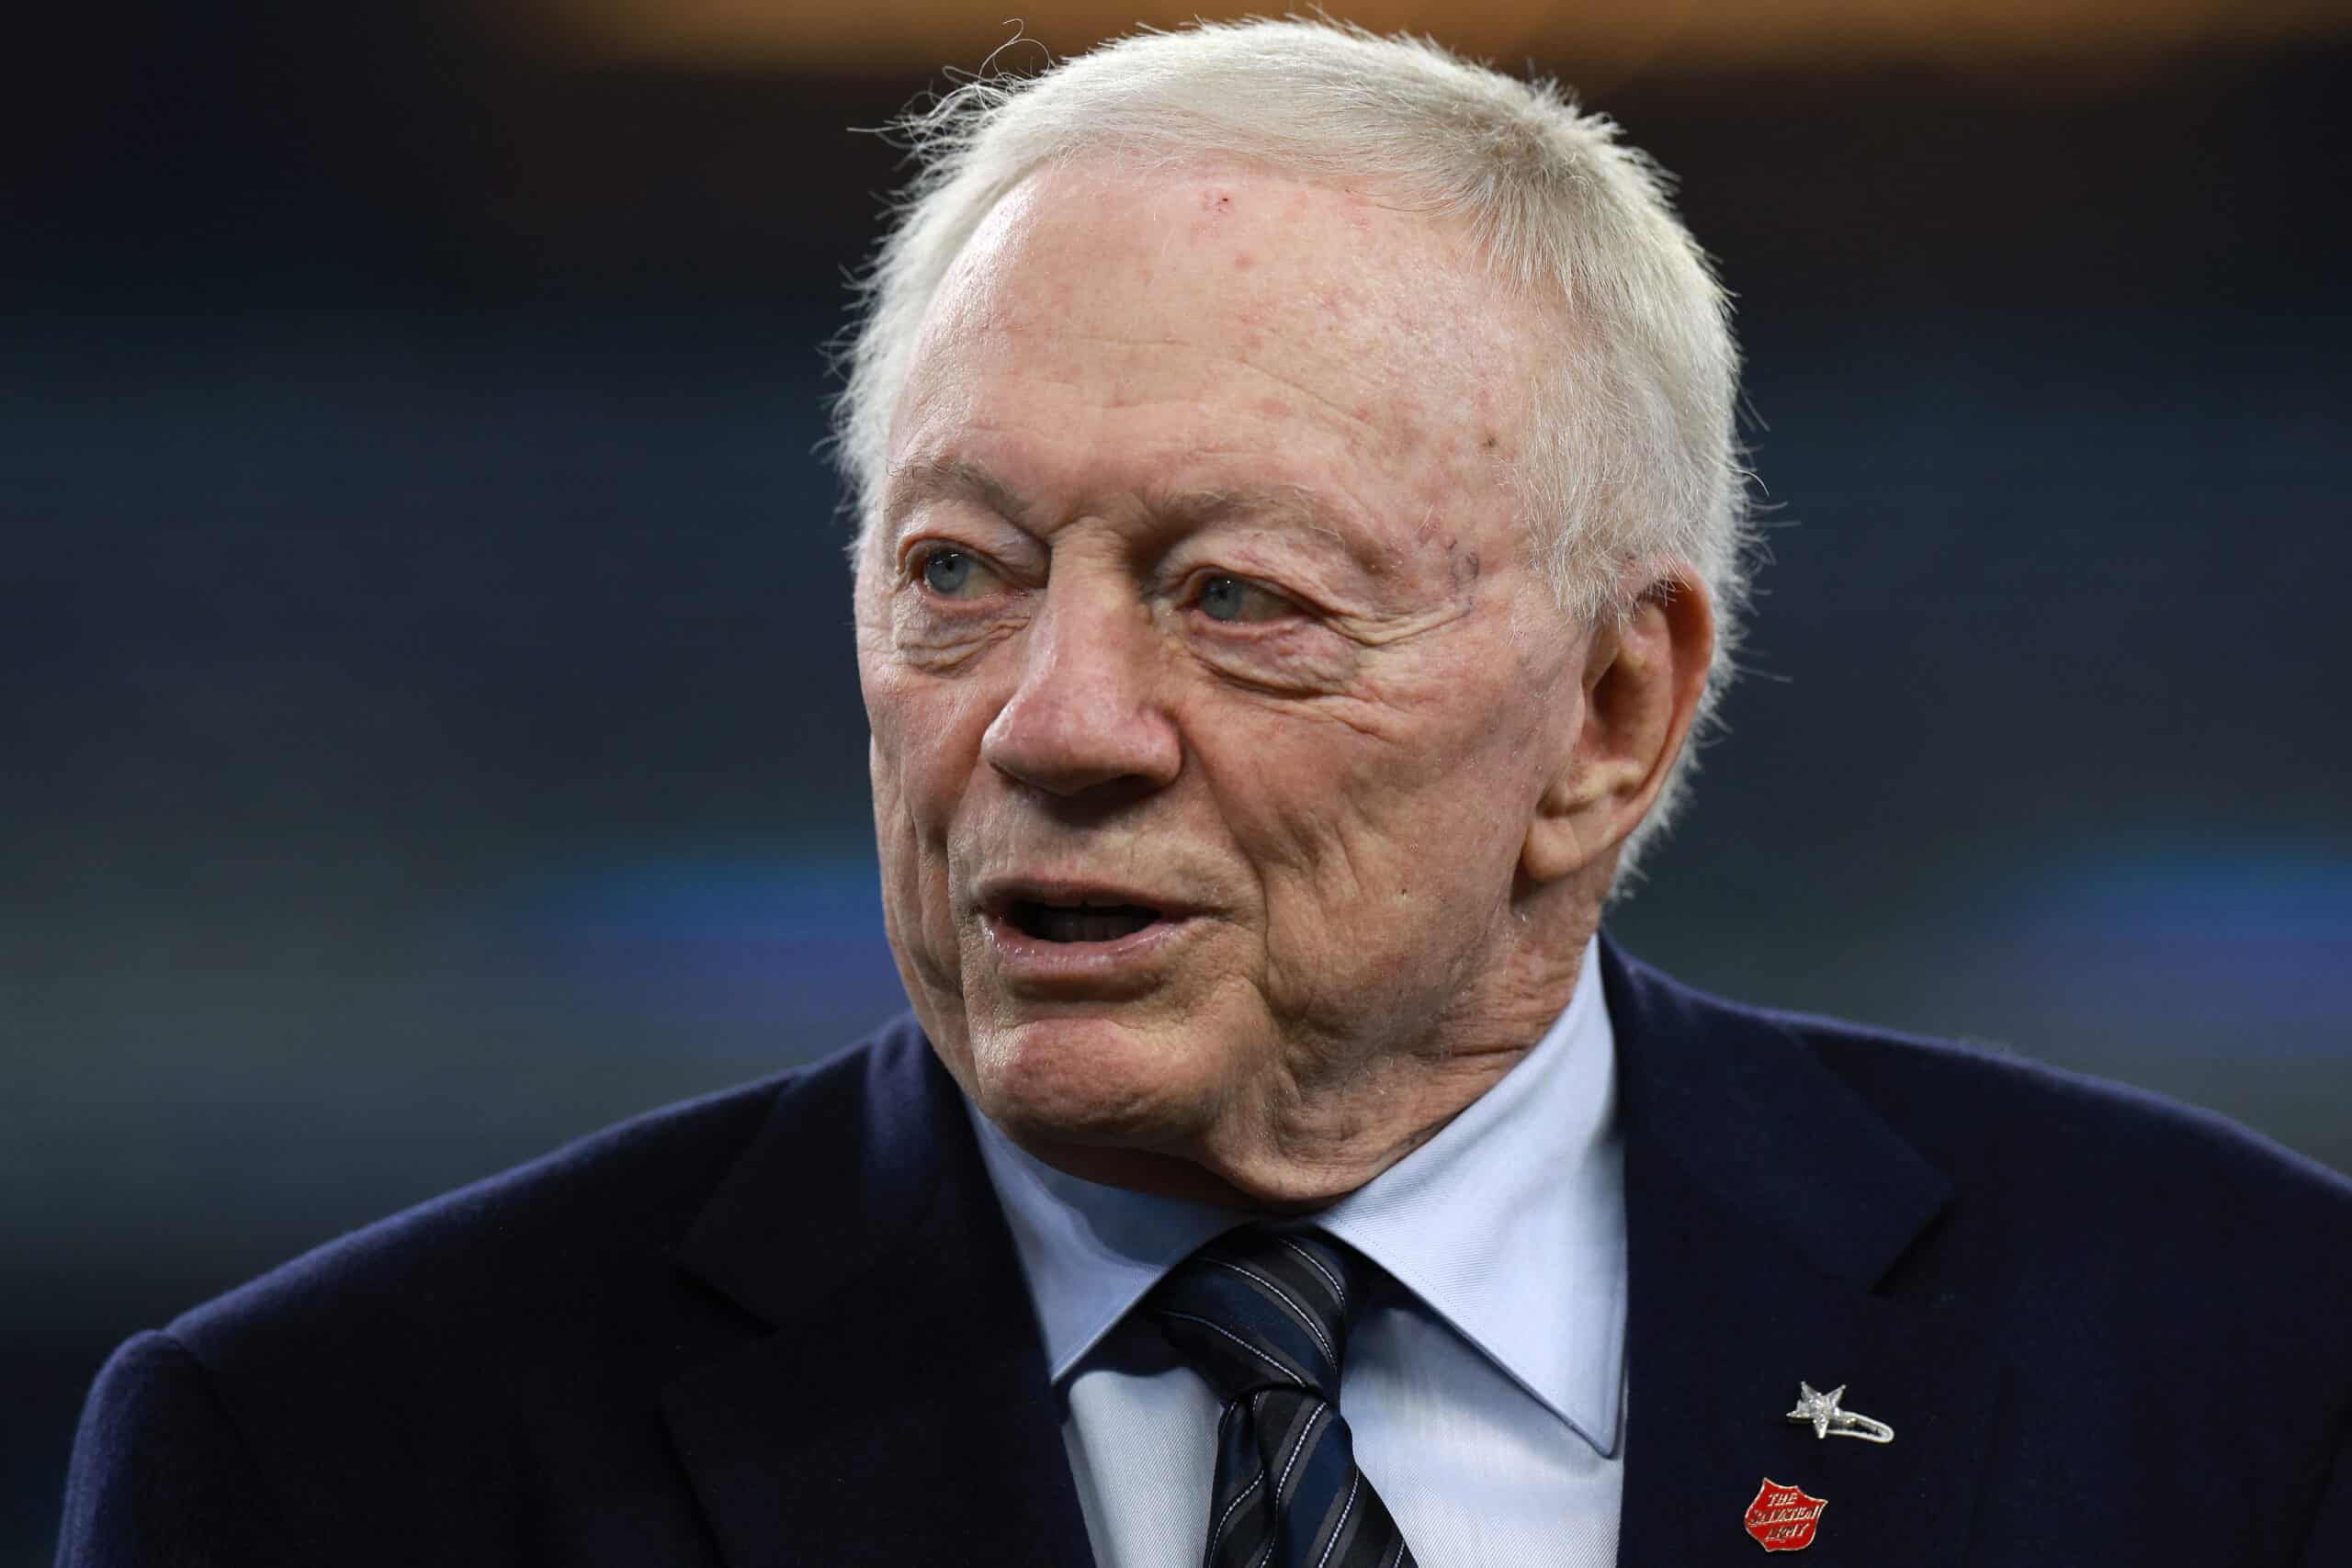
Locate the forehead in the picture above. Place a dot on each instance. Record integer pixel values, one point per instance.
(1112, 329)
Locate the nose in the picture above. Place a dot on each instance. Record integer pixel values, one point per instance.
(1086, 713)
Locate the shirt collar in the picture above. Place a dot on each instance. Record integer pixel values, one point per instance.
(1510, 1224)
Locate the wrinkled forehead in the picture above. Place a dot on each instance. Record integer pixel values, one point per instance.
(1244, 296)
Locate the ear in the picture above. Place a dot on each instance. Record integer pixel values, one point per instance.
(1642, 677)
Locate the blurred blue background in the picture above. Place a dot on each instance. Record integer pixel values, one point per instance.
(430, 725)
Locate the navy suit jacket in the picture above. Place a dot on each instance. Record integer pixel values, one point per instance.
(786, 1326)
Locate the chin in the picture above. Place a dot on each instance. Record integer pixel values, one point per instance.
(1096, 1082)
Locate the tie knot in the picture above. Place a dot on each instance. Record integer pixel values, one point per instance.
(1260, 1308)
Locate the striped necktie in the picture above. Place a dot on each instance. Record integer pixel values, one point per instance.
(1264, 1315)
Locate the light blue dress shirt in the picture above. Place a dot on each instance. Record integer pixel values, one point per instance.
(1486, 1395)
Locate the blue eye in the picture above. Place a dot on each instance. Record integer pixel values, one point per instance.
(946, 572)
(1234, 599)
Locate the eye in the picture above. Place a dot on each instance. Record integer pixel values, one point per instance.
(1222, 597)
(953, 573)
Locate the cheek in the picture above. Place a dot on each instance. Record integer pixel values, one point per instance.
(1384, 860)
(912, 798)
(1390, 848)
(910, 907)
(926, 743)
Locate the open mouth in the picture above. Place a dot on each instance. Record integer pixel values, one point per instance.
(1079, 921)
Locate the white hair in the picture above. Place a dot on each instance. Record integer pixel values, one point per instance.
(1632, 471)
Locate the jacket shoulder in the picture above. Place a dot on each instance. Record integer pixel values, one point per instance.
(1986, 1117)
(580, 1209)
(572, 1254)
(2060, 1187)
(123, 1505)
(2118, 1221)
(1989, 1116)
(494, 1350)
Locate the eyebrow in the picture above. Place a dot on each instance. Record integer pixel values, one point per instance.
(911, 485)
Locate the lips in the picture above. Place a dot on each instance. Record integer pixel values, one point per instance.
(1056, 931)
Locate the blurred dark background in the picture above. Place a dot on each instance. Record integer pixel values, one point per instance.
(429, 720)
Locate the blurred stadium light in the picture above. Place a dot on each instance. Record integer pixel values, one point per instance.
(895, 33)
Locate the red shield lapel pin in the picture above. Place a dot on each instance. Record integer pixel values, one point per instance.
(1782, 1518)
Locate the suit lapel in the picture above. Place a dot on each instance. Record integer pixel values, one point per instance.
(1768, 1211)
(891, 1402)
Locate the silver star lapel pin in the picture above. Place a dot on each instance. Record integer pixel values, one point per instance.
(1820, 1412)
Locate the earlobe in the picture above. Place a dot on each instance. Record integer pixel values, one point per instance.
(1557, 845)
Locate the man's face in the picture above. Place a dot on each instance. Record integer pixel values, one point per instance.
(1211, 682)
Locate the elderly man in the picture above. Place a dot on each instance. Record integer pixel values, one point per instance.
(1299, 528)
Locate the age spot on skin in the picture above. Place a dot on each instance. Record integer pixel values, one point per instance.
(1461, 566)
